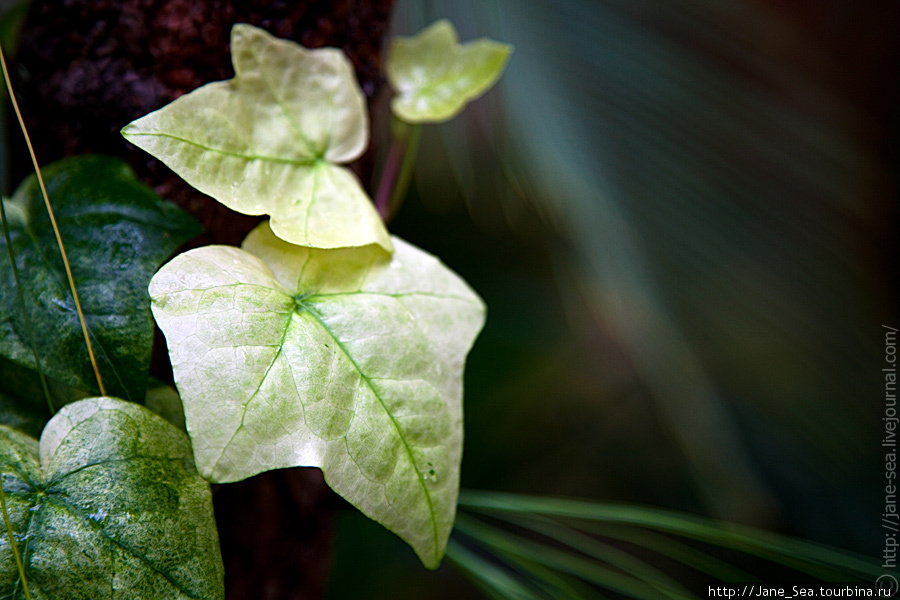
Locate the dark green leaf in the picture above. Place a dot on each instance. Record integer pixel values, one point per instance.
(23, 405)
(111, 506)
(116, 232)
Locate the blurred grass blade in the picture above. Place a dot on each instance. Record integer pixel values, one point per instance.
(554, 584)
(494, 581)
(672, 549)
(515, 545)
(601, 551)
(814, 559)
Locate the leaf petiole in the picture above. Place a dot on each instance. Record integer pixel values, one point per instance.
(398, 168)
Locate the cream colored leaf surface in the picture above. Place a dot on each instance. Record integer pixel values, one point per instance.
(272, 139)
(350, 360)
(434, 76)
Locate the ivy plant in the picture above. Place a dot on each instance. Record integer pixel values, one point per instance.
(317, 343)
(349, 360)
(323, 341)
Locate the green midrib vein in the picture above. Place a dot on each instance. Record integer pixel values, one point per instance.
(275, 159)
(419, 476)
(62, 503)
(262, 380)
(311, 311)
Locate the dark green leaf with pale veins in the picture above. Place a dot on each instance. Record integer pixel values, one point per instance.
(108, 505)
(116, 232)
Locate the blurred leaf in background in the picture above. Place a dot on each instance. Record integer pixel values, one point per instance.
(520, 546)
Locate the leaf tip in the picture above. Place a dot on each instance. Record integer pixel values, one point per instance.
(242, 31)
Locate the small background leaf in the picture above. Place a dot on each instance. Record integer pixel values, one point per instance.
(113, 508)
(434, 76)
(116, 233)
(270, 141)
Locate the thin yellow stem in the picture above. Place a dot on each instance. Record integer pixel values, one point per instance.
(62, 249)
(12, 540)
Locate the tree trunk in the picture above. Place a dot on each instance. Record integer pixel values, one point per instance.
(86, 68)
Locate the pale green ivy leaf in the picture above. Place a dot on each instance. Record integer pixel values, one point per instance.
(270, 141)
(350, 360)
(108, 505)
(434, 76)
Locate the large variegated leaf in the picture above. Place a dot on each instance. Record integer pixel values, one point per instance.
(435, 76)
(108, 505)
(270, 141)
(350, 360)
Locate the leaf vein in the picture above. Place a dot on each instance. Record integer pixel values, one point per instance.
(76, 511)
(396, 295)
(371, 386)
(51, 486)
(248, 157)
(262, 380)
